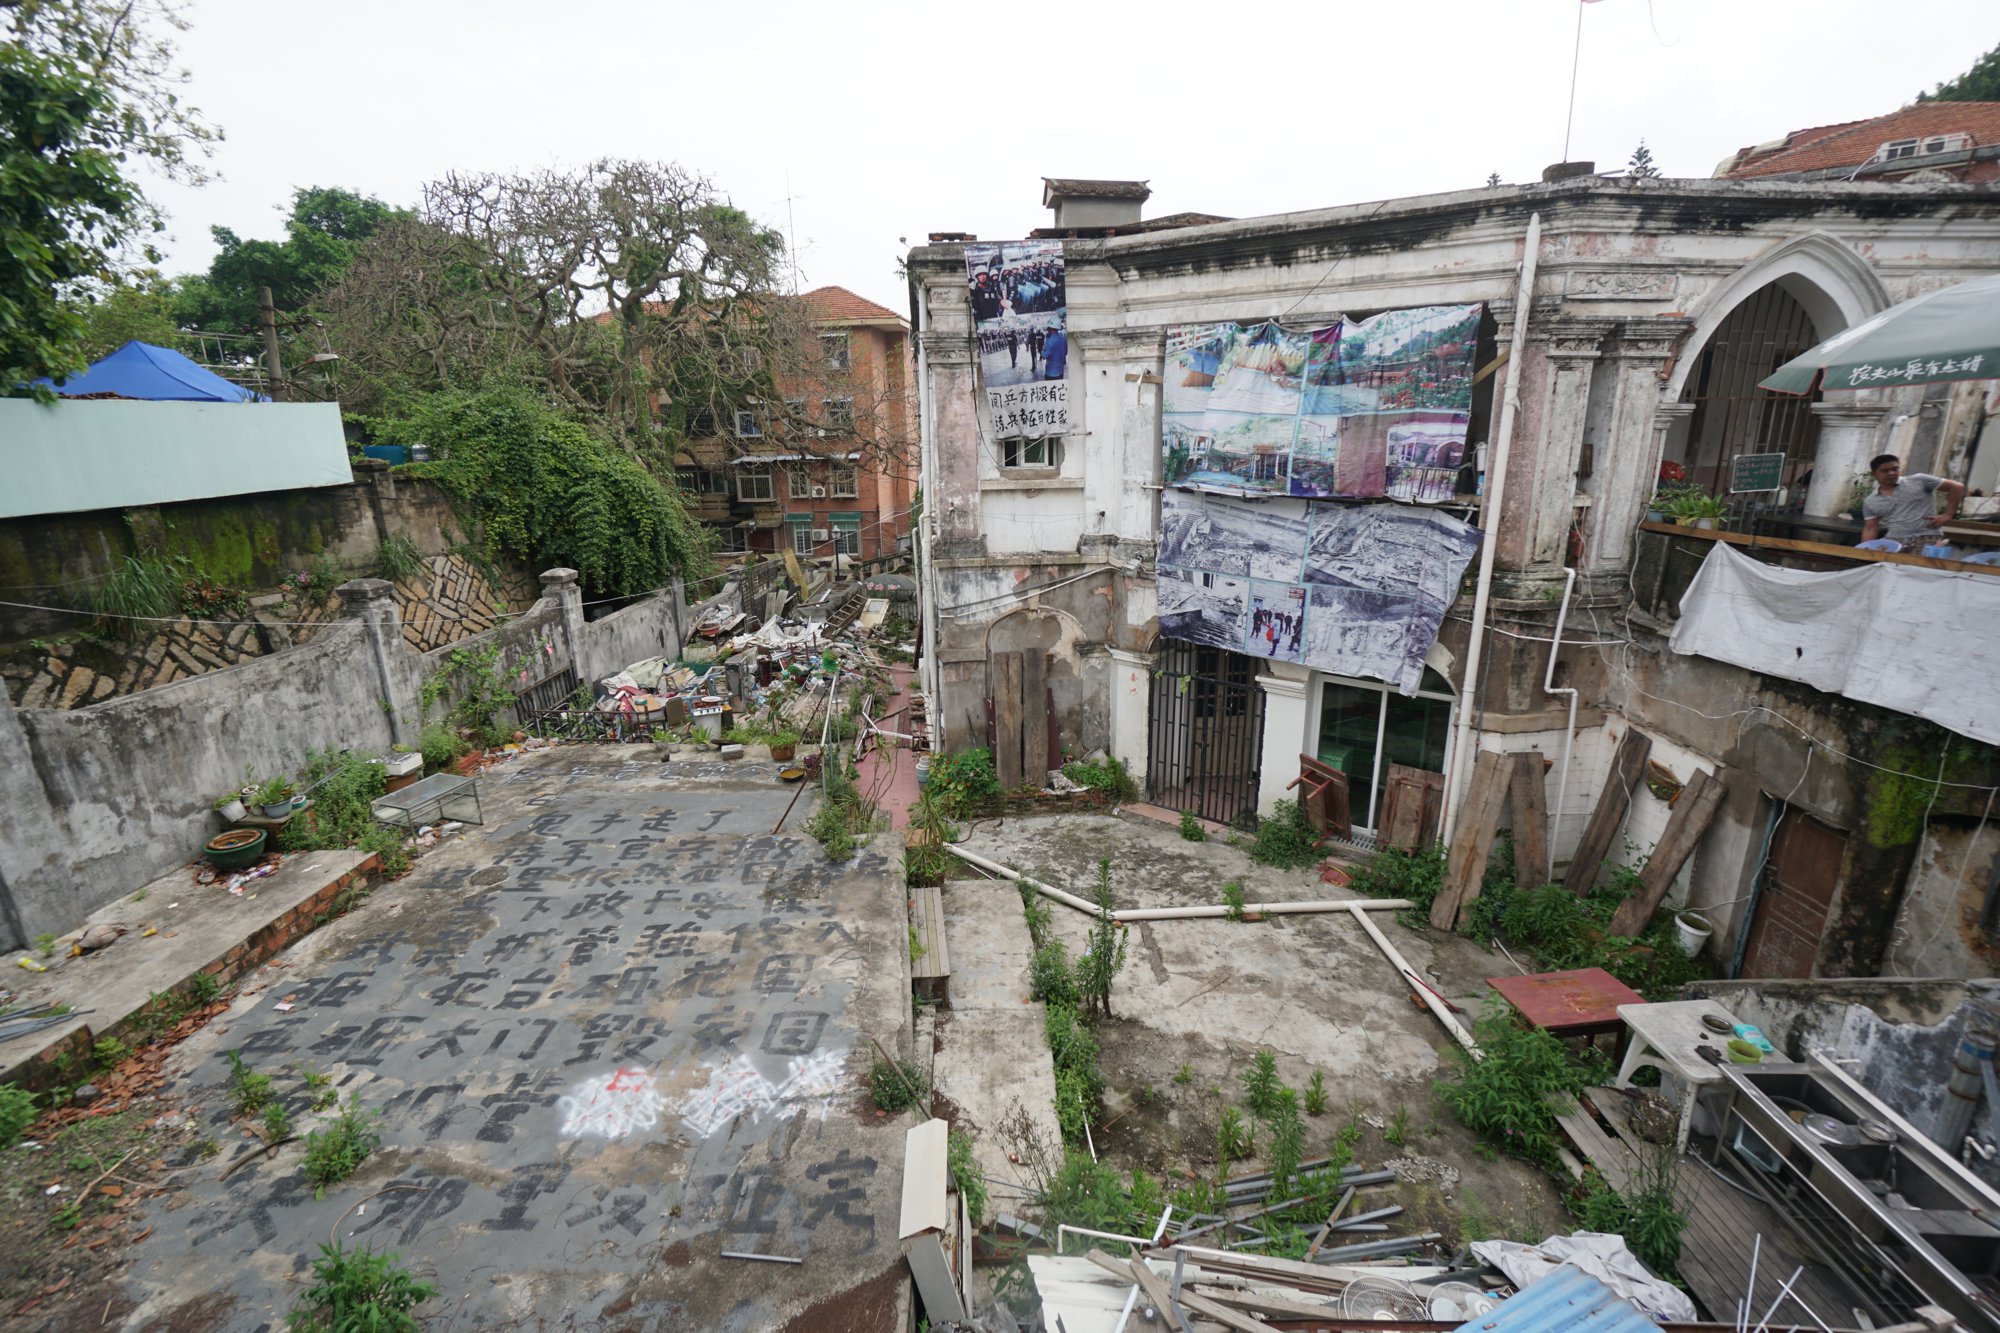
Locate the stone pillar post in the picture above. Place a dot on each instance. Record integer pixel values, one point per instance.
(952, 496)
(1627, 464)
(1097, 431)
(1130, 688)
(1286, 709)
(560, 585)
(372, 602)
(1548, 441)
(1849, 427)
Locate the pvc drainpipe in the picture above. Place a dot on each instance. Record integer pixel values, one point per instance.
(1569, 731)
(1267, 909)
(1066, 899)
(1489, 517)
(1425, 993)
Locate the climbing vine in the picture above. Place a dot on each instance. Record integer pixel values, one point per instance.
(547, 491)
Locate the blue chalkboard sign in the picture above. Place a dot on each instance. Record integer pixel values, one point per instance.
(1756, 472)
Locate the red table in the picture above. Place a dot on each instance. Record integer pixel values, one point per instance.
(1581, 1003)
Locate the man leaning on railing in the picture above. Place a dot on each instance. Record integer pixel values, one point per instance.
(1902, 514)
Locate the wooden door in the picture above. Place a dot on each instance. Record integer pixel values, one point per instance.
(1797, 896)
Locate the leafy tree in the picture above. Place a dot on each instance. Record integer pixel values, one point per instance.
(1493, 180)
(322, 234)
(548, 490)
(1641, 166)
(139, 304)
(1981, 83)
(86, 88)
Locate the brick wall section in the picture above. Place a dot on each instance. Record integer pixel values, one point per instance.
(46, 1069)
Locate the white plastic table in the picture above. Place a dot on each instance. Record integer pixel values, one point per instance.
(1664, 1037)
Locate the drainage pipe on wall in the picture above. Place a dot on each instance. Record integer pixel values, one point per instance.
(1569, 731)
(1964, 1089)
(1489, 520)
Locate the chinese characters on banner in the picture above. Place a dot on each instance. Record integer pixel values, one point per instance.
(1370, 409)
(1020, 326)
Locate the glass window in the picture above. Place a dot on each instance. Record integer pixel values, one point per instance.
(1045, 452)
(747, 425)
(802, 539)
(846, 481)
(840, 414)
(800, 484)
(833, 349)
(754, 483)
(847, 539)
(1365, 727)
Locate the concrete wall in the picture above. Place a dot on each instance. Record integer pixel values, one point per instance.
(651, 628)
(101, 799)
(78, 455)
(1899, 1035)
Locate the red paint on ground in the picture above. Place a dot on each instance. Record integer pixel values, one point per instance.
(889, 776)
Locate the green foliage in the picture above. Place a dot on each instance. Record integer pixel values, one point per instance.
(547, 491)
(1261, 1085)
(929, 862)
(251, 1090)
(1106, 956)
(135, 306)
(109, 1051)
(145, 587)
(399, 559)
(965, 1173)
(1184, 1075)
(1564, 931)
(1079, 1082)
(1287, 1142)
(84, 97)
(1398, 1130)
(323, 234)
(344, 788)
(320, 1092)
(477, 678)
(1233, 900)
(68, 1217)
(1648, 1216)
(1981, 83)
(337, 1149)
(1105, 775)
(203, 988)
(1191, 828)
(1286, 839)
(1086, 1193)
(1503, 1098)
(962, 779)
(358, 1292)
(898, 1085)
(1233, 1139)
(440, 746)
(392, 845)
(17, 1112)
(277, 1123)
(1316, 1094)
(45, 944)
(1642, 167)
(843, 812)
(1393, 873)
(1050, 977)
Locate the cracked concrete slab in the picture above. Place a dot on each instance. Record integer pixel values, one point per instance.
(617, 1031)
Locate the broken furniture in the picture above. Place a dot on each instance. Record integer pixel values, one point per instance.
(1582, 1003)
(1324, 801)
(1670, 1038)
(439, 797)
(936, 1233)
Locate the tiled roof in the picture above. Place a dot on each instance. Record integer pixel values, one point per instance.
(1852, 144)
(1082, 189)
(837, 305)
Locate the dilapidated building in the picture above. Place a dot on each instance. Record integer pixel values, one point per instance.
(1849, 839)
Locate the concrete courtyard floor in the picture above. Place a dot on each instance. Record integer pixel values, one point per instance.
(616, 1031)
(1197, 999)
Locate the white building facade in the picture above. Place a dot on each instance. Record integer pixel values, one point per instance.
(1656, 305)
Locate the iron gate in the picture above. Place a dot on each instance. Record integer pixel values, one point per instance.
(1207, 725)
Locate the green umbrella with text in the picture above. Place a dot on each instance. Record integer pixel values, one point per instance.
(1949, 334)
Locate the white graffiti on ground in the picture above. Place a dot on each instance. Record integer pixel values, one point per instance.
(612, 1105)
(810, 1084)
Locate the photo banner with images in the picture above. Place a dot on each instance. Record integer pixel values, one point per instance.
(1355, 590)
(1020, 331)
(1361, 410)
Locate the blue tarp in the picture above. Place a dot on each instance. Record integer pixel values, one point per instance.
(155, 374)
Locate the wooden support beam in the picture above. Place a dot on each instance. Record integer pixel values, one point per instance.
(1007, 719)
(1694, 810)
(1034, 717)
(1609, 814)
(1529, 811)
(1472, 839)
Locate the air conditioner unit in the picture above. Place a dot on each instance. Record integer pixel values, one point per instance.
(819, 492)
(1947, 143)
(822, 535)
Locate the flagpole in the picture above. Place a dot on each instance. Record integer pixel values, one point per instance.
(1575, 60)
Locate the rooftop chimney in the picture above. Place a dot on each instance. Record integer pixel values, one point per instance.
(1094, 205)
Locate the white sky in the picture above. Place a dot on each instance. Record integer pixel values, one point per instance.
(888, 121)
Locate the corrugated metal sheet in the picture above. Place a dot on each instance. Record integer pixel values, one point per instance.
(1568, 1300)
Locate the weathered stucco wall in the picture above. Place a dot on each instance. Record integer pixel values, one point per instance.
(650, 628)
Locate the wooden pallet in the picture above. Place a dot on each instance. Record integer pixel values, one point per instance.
(930, 970)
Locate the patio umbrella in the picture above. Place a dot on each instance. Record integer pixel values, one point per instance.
(1949, 334)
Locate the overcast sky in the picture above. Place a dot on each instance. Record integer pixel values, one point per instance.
(853, 126)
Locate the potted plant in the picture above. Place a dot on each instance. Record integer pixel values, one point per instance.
(1672, 485)
(274, 795)
(1708, 511)
(784, 745)
(231, 807)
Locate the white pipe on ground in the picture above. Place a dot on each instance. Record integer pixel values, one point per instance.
(1267, 909)
(1569, 732)
(1489, 522)
(1066, 899)
(1425, 993)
